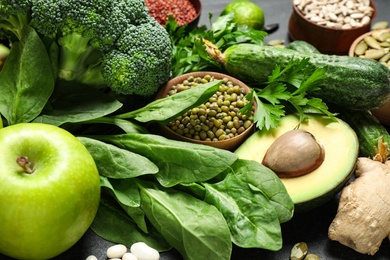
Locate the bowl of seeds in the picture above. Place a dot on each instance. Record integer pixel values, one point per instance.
(218, 122)
(373, 45)
(185, 12)
(330, 25)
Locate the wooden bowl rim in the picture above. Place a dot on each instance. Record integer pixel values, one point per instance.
(227, 143)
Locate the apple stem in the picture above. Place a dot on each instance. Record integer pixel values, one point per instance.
(25, 164)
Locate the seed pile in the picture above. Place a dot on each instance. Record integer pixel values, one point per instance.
(375, 46)
(216, 120)
(345, 14)
(182, 10)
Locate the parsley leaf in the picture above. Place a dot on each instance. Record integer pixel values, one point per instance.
(189, 53)
(287, 91)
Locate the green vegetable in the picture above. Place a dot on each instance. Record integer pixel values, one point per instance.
(110, 43)
(368, 130)
(287, 90)
(349, 82)
(302, 46)
(180, 225)
(153, 188)
(22, 96)
(175, 159)
(189, 54)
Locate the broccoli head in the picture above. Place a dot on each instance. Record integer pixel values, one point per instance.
(101, 43)
(14, 14)
(141, 60)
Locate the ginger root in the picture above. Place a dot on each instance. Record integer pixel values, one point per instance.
(362, 221)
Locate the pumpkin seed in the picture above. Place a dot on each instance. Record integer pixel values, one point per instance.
(380, 25)
(383, 36)
(312, 257)
(374, 54)
(372, 42)
(276, 42)
(385, 44)
(299, 251)
(361, 48)
(385, 58)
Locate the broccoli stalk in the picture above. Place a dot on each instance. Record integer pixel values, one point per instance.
(79, 61)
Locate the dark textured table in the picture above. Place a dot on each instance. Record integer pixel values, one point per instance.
(310, 227)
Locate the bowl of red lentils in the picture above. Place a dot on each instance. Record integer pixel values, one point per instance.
(218, 122)
(330, 25)
(185, 12)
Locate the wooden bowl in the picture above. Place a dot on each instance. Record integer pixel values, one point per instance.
(381, 113)
(326, 39)
(228, 144)
(361, 38)
(198, 7)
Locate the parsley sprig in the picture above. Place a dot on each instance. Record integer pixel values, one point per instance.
(287, 91)
(189, 54)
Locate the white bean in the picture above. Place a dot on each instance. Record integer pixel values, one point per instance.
(144, 252)
(116, 251)
(91, 257)
(129, 256)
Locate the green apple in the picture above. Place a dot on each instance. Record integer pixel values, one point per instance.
(49, 190)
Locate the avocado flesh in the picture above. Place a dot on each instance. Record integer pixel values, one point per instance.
(341, 152)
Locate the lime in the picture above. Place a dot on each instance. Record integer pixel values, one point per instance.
(246, 13)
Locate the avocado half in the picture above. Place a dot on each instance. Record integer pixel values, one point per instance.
(319, 186)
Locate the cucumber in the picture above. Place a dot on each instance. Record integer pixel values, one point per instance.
(367, 128)
(350, 82)
(302, 46)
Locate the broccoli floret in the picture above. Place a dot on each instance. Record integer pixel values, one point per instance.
(106, 43)
(14, 14)
(141, 61)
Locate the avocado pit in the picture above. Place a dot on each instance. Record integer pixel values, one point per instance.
(293, 154)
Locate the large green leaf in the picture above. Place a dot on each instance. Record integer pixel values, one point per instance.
(178, 162)
(26, 80)
(73, 104)
(117, 163)
(195, 228)
(252, 219)
(113, 224)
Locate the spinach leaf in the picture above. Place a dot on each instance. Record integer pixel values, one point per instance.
(126, 193)
(117, 163)
(266, 180)
(26, 80)
(113, 224)
(178, 162)
(252, 219)
(165, 109)
(195, 228)
(74, 103)
(126, 125)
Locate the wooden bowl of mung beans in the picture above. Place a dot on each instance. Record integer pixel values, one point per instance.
(218, 122)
